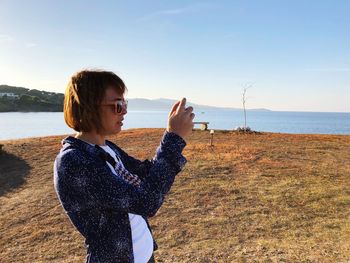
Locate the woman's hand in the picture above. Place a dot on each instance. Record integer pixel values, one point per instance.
(180, 120)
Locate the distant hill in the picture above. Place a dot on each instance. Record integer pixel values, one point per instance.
(165, 104)
(23, 99)
(36, 100)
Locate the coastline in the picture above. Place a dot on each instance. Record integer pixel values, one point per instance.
(196, 129)
(24, 125)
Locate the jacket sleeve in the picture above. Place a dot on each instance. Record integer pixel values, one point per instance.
(171, 146)
(93, 184)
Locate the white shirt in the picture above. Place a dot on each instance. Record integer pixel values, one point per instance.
(142, 240)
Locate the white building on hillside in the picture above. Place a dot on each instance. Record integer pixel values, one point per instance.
(9, 95)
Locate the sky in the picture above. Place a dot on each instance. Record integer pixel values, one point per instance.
(293, 55)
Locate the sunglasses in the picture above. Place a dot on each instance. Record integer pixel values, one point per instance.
(119, 105)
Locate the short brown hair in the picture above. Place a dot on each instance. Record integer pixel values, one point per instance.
(84, 92)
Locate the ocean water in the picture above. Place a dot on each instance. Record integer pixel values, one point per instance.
(14, 125)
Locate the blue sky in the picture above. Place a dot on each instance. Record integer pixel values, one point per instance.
(294, 54)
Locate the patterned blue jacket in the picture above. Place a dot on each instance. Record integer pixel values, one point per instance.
(97, 201)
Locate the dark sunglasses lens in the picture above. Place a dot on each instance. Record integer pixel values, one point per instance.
(119, 107)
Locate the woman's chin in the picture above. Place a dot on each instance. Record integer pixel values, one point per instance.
(118, 128)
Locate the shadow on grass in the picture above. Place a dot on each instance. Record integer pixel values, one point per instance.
(13, 171)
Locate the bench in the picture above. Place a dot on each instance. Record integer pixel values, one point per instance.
(204, 125)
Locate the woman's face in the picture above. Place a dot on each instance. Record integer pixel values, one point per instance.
(110, 120)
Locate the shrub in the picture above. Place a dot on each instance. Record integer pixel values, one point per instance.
(245, 130)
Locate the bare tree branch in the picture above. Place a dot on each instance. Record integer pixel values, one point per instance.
(244, 99)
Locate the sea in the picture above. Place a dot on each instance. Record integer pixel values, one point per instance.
(15, 125)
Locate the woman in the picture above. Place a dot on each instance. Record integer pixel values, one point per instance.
(107, 194)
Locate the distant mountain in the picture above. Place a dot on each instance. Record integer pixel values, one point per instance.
(23, 99)
(166, 104)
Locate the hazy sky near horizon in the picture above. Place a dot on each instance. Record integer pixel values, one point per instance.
(294, 54)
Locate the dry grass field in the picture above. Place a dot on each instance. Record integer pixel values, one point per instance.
(251, 198)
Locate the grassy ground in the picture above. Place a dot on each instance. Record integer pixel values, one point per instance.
(250, 198)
